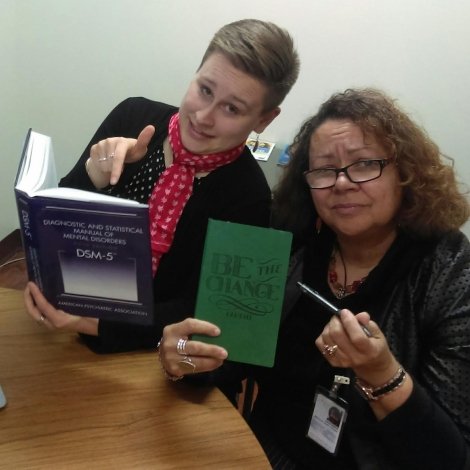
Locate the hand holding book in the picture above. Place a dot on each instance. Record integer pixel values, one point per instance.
(204, 357)
(238, 308)
(38, 307)
(88, 253)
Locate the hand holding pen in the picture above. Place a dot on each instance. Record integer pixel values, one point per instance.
(320, 299)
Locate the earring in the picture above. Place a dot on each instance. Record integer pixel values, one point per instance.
(318, 225)
(255, 147)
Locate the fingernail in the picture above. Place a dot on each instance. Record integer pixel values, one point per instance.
(223, 354)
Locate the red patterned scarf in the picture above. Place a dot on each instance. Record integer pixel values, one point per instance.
(175, 186)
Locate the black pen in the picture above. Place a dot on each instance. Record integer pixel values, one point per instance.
(334, 310)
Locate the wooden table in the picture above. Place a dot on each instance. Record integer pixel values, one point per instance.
(70, 408)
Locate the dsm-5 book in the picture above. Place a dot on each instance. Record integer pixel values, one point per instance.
(88, 252)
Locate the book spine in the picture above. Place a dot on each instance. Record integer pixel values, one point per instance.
(29, 238)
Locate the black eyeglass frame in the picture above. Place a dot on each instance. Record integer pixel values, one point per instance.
(383, 162)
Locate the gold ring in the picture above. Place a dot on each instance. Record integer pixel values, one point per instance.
(187, 364)
(329, 350)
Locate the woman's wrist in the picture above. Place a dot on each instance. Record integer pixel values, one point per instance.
(376, 375)
(373, 393)
(389, 395)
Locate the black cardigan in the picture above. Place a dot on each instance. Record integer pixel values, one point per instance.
(236, 192)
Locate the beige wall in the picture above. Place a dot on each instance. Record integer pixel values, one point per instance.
(65, 64)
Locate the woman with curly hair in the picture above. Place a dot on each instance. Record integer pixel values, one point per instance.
(375, 209)
(432, 202)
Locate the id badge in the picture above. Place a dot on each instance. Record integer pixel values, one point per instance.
(328, 419)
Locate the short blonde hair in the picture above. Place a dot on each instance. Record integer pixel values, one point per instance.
(261, 49)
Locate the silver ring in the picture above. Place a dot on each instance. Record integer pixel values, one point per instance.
(106, 158)
(41, 318)
(181, 346)
(187, 364)
(329, 350)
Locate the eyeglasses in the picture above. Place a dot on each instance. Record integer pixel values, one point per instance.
(357, 172)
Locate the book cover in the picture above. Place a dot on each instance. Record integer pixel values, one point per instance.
(241, 289)
(89, 253)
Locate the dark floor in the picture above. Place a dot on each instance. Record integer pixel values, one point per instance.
(12, 265)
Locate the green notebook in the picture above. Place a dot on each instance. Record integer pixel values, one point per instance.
(241, 289)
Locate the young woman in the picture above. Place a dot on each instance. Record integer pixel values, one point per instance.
(247, 70)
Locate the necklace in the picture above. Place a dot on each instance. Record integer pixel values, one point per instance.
(341, 290)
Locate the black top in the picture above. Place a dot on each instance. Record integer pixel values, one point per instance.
(419, 295)
(236, 192)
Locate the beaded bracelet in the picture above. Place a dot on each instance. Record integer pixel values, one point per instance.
(374, 393)
(173, 378)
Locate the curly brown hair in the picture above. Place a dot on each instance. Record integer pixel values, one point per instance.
(432, 203)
